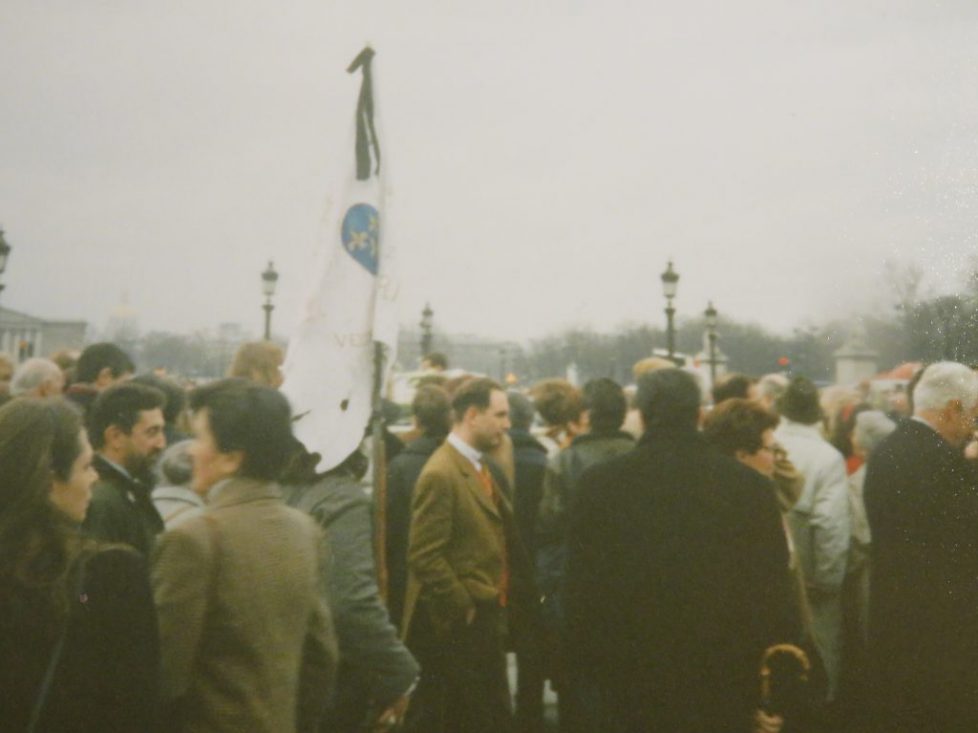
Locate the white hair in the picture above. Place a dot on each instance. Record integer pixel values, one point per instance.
(772, 386)
(943, 382)
(870, 429)
(32, 374)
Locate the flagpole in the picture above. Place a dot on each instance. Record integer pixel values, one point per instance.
(379, 473)
(369, 165)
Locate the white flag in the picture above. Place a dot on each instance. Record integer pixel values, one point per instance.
(330, 366)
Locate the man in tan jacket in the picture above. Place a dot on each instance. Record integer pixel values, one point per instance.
(461, 556)
(246, 638)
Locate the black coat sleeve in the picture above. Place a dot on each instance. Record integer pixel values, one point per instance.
(121, 630)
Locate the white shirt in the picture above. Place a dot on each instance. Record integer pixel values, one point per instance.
(474, 456)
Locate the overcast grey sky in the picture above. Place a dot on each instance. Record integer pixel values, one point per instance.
(544, 161)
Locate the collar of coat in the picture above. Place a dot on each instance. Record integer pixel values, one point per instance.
(241, 490)
(595, 437)
(656, 434)
(474, 483)
(109, 471)
(525, 439)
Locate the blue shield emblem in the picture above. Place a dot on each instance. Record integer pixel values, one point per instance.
(361, 235)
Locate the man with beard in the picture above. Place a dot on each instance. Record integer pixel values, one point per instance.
(126, 430)
(467, 574)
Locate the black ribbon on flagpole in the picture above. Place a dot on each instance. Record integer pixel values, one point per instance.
(366, 134)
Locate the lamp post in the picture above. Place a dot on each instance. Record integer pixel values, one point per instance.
(4, 254)
(670, 281)
(710, 314)
(427, 316)
(268, 280)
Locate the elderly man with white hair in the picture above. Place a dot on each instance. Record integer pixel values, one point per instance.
(37, 378)
(921, 497)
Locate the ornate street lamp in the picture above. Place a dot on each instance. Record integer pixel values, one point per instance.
(4, 254)
(427, 317)
(670, 282)
(710, 314)
(269, 278)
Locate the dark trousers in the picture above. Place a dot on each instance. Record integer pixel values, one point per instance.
(531, 676)
(463, 686)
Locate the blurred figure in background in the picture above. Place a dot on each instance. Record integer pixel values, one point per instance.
(6, 374)
(433, 419)
(558, 403)
(175, 425)
(173, 498)
(732, 386)
(604, 407)
(260, 362)
(819, 520)
(99, 367)
(769, 389)
(633, 419)
(870, 427)
(37, 377)
(434, 362)
(530, 458)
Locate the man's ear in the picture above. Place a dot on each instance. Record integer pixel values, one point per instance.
(233, 460)
(112, 435)
(104, 378)
(952, 409)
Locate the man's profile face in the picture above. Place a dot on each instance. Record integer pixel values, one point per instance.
(146, 441)
(489, 425)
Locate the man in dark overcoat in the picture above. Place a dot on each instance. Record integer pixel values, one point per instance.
(433, 419)
(126, 427)
(921, 500)
(677, 578)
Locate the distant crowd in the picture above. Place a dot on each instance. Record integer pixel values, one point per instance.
(758, 556)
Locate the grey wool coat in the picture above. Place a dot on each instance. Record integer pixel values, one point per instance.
(368, 642)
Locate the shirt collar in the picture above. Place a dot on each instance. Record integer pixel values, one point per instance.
(474, 456)
(800, 427)
(117, 467)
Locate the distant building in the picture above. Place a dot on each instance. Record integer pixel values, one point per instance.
(23, 336)
(123, 323)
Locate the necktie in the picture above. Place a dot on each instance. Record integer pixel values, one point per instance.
(486, 479)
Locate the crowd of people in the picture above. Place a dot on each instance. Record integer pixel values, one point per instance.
(763, 557)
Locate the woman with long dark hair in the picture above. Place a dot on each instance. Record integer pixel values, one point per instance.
(78, 642)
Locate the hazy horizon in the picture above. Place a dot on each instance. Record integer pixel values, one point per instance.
(543, 164)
